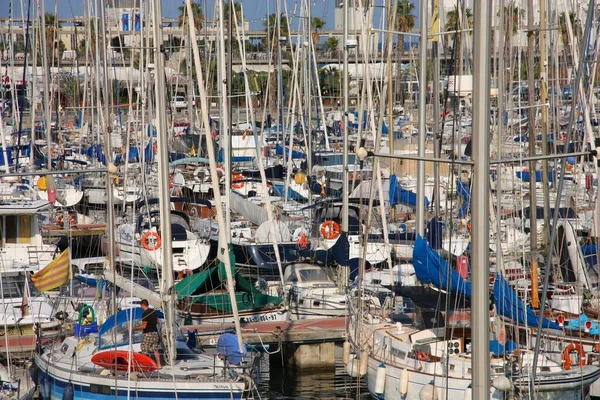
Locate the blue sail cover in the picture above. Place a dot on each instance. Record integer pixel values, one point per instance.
(431, 268)
(509, 305)
(129, 314)
(525, 175)
(399, 195)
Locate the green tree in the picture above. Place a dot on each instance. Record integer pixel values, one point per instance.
(55, 46)
(332, 44)
(317, 23)
(237, 7)
(405, 22)
(454, 22)
(196, 13)
(271, 27)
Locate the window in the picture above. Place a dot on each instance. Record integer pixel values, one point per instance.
(10, 227)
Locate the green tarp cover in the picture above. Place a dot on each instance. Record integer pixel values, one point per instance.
(191, 283)
(247, 298)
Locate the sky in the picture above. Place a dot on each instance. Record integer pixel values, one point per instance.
(254, 10)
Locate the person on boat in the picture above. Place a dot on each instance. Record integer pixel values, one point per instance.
(149, 326)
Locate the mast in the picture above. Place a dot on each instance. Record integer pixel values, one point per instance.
(543, 100)
(163, 185)
(532, 175)
(279, 75)
(422, 126)
(436, 103)
(345, 122)
(480, 206)
(225, 131)
(48, 76)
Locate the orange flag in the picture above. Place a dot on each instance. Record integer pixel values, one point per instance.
(53, 275)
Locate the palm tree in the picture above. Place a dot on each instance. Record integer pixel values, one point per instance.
(317, 23)
(332, 44)
(270, 26)
(237, 8)
(405, 22)
(196, 13)
(454, 22)
(53, 42)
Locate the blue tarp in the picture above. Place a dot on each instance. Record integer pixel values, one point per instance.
(578, 324)
(509, 305)
(464, 192)
(431, 268)
(399, 195)
(295, 154)
(589, 254)
(524, 175)
(130, 314)
(228, 346)
(499, 350)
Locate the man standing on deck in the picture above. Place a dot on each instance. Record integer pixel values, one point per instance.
(149, 326)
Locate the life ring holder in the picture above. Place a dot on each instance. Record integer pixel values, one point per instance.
(566, 355)
(330, 229)
(147, 245)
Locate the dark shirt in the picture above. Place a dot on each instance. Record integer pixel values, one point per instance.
(149, 316)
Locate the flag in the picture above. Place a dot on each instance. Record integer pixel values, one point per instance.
(53, 275)
(435, 22)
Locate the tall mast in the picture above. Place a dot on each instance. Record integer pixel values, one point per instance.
(543, 100)
(48, 76)
(422, 126)
(480, 206)
(225, 125)
(532, 175)
(345, 122)
(163, 184)
(279, 75)
(436, 103)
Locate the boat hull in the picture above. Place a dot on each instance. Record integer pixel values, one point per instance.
(92, 386)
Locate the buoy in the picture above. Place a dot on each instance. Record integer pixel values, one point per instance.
(428, 392)
(403, 388)
(41, 183)
(68, 392)
(380, 379)
(352, 368)
(51, 195)
(468, 394)
(346, 353)
(501, 383)
(364, 363)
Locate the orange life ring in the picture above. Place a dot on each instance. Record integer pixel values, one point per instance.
(330, 229)
(157, 241)
(422, 356)
(566, 355)
(237, 181)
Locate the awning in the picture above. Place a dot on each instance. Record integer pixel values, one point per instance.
(257, 68)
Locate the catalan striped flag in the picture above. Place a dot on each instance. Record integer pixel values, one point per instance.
(53, 275)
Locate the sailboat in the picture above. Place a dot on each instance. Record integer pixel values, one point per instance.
(108, 362)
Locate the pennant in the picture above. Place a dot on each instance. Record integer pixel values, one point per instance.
(434, 30)
(53, 275)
